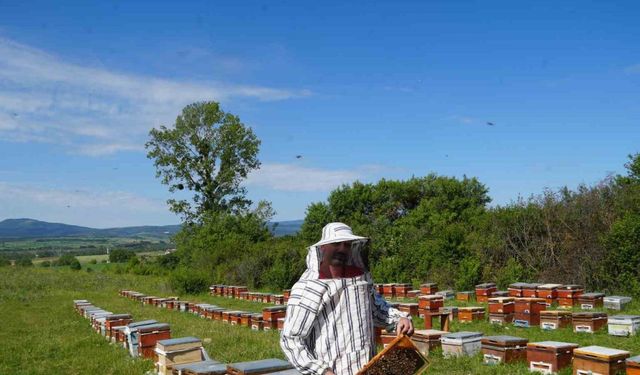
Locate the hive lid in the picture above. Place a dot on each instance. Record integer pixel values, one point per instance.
(287, 372)
(142, 323)
(589, 314)
(255, 316)
(275, 308)
(518, 285)
(429, 285)
(462, 335)
(428, 333)
(549, 286)
(501, 299)
(471, 308)
(118, 316)
(260, 367)
(485, 286)
(401, 355)
(409, 305)
(444, 292)
(591, 295)
(552, 344)
(634, 360)
(601, 352)
(624, 317)
(204, 367)
(531, 285)
(500, 293)
(530, 299)
(179, 341)
(617, 299)
(153, 327)
(504, 340)
(467, 292)
(431, 296)
(555, 312)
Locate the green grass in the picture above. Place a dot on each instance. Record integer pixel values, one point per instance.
(42, 334)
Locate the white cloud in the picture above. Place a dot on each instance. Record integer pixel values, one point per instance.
(88, 208)
(289, 177)
(46, 99)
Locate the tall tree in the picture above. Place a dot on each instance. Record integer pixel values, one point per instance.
(208, 152)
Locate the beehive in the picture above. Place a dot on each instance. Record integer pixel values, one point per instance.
(461, 343)
(623, 325)
(549, 357)
(554, 319)
(588, 322)
(599, 360)
(264, 366)
(503, 349)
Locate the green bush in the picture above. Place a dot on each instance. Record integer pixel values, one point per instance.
(45, 263)
(24, 262)
(93, 261)
(121, 255)
(512, 272)
(188, 281)
(75, 265)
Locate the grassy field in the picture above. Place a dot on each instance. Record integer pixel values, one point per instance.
(42, 334)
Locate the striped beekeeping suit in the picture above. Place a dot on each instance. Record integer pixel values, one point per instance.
(329, 322)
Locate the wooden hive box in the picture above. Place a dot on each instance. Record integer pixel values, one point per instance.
(527, 311)
(409, 308)
(414, 293)
(549, 357)
(257, 323)
(554, 319)
(501, 319)
(235, 318)
(469, 314)
(212, 290)
(217, 314)
(387, 338)
(446, 294)
(484, 291)
(430, 302)
(149, 335)
(427, 339)
(231, 316)
(131, 335)
(623, 325)
(245, 319)
(599, 360)
(590, 301)
(428, 288)
(207, 367)
(270, 316)
(401, 290)
(530, 290)
(549, 292)
(400, 357)
(264, 366)
(500, 293)
(147, 300)
(461, 344)
(117, 334)
(465, 296)
(177, 351)
(115, 320)
(278, 299)
(502, 305)
(286, 293)
(280, 324)
(515, 289)
(267, 297)
(387, 290)
(588, 322)
(503, 349)
(226, 316)
(616, 302)
(633, 365)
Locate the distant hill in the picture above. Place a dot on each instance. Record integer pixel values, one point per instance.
(285, 228)
(31, 228)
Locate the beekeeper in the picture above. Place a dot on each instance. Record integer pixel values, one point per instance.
(333, 308)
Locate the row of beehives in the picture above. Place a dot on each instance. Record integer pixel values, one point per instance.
(546, 357)
(242, 292)
(271, 317)
(526, 312)
(564, 295)
(179, 356)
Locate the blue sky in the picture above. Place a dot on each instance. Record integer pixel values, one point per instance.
(363, 91)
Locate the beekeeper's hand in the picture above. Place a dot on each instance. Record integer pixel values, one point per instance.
(329, 372)
(404, 326)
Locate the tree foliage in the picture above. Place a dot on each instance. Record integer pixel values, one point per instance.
(121, 255)
(209, 153)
